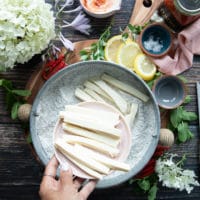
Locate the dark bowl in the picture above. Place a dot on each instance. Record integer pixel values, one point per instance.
(155, 40)
(169, 91)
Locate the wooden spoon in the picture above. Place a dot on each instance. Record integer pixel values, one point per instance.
(140, 15)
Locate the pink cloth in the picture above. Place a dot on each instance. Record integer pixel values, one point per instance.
(185, 45)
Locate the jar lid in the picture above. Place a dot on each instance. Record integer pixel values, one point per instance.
(188, 7)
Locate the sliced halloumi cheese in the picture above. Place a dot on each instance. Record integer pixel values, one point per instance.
(97, 146)
(131, 116)
(97, 89)
(83, 96)
(120, 102)
(94, 95)
(108, 117)
(69, 150)
(125, 87)
(111, 163)
(86, 169)
(91, 134)
(92, 125)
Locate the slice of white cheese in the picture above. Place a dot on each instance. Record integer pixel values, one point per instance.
(69, 150)
(94, 95)
(131, 116)
(86, 169)
(106, 117)
(90, 134)
(92, 125)
(97, 146)
(113, 164)
(83, 96)
(116, 97)
(96, 89)
(125, 87)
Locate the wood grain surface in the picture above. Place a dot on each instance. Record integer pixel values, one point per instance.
(20, 172)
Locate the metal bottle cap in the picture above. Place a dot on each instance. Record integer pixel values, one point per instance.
(188, 7)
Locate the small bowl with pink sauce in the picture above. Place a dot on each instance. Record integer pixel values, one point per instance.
(100, 8)
(155, 40)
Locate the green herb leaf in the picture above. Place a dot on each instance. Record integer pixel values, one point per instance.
(7, 84)
(13, 95)
(183, 79)
(124, 36)
(153, 192)
(29, 139)
(189, 116)
(135, 30)
(187, 99)
(183, 132)
(23, 93)
(151, 82)
(14, 110)
(10, 100)
(96, 50)
(176, 116)
(144, 184)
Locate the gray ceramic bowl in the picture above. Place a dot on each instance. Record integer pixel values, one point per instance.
(169, 91)
(59, 91)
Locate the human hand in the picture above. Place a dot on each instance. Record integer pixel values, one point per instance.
(64, 188)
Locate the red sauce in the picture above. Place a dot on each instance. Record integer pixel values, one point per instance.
(175, 18)
(99, 6)
(99, 2)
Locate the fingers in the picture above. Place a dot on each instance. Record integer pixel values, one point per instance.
(66, 177)
(88, 188)
(51, 167)
(78, 182)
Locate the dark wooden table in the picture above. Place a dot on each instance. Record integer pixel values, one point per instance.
(20, 172)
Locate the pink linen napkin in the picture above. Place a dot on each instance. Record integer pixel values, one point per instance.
(185, 45)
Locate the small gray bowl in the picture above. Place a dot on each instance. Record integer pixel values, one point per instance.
(169, 91)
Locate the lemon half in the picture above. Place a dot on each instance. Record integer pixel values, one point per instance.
(144, 67)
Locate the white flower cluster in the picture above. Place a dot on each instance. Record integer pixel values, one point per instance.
(173, 176)
(26, 28)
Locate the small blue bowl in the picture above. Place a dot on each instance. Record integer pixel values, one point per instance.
(169, 91)
(155, 40)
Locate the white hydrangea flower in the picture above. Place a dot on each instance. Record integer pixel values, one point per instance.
(26, 28)
(173, 176)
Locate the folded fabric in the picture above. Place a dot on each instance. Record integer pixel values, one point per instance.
(185, 45)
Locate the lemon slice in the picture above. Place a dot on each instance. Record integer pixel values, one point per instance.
(112, 47)
(127, 53)
(144, 67)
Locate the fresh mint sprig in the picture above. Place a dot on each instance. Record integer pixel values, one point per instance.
(179, 119)
(96, 50)
(147, 185)
(13, 96)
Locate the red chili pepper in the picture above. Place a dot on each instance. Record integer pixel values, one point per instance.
(53, 66)
(150, 167)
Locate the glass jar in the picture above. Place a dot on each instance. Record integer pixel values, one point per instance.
(177, 14)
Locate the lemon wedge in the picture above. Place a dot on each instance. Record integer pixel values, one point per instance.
(112, 47)
(144, 67)
(127, 54)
